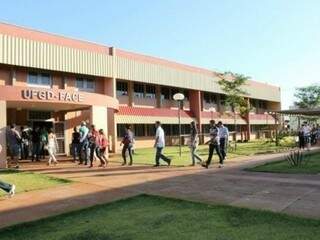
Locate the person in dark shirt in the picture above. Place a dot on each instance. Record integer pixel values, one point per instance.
(35, 138)
(127, 142)
(75, 143)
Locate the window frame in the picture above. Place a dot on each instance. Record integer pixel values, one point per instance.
(39, 82)
(85, 87)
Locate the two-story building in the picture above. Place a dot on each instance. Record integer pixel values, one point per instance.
(56, 82)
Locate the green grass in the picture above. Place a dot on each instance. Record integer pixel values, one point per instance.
(27, 181)
(147, 155)
(146, 217)
(312, 167)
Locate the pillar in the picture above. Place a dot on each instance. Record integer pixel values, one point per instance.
(110, 119)
(130, 94)
(99, 117)
(3, 128)
(158, 96)
(195, 100)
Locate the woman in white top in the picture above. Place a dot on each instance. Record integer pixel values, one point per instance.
(52, 147)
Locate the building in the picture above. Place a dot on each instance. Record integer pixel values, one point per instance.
(56, 82)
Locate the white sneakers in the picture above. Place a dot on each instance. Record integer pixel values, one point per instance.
(220, 165)
(12, 191)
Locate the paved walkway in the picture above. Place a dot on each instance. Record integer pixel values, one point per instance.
(293, 194)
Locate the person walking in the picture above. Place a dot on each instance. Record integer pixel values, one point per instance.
(213, 144)
(102, 148)
(159, 145)
(194, 141)
(224, 138)
(35, 139)
(93, 137)
(84, 144)
(127, 142)
(43, 142)
(301, 137)
(75, 144)
(7, 187)
(52, 147)
(14, 142)
(24, 143)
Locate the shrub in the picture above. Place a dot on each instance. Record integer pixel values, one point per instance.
(297, 158)
(288, 141)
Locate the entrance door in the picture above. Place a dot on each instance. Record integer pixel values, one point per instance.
(59, 131)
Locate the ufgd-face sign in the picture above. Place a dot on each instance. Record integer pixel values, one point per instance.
(49, 95)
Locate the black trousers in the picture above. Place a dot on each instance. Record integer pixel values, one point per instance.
(223, 147)
(159, 156)
(124, 150)
(93, 147)
(213, 147)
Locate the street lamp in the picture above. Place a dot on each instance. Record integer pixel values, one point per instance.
(179, 97)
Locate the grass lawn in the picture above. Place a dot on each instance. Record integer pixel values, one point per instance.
(147, 155)
(313, 166)
(146, 217)
(27, 181)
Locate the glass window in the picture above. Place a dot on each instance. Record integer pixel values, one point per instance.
(122, 89)
(33, 78)
(139, 130)
(121, 129)
(87, 85)
(209, 97)
(151, 130)
(138, 90)
(41, 79)
(165, 93)
(150, 91)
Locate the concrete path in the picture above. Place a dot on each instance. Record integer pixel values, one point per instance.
(293, 194)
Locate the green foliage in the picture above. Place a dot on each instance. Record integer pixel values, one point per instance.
(287, 141)
(232, 84)
(308, 97)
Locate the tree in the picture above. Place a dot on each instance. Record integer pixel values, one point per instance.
(232, 85)
(308, 97)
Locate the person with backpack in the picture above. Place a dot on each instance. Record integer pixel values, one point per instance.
(127, 142)
(102, 148)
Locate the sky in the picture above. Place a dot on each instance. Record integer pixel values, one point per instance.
(272, 41)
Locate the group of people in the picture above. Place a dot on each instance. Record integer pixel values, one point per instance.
(308, 135)
(88, 143)
(37, 141)
(218, 141)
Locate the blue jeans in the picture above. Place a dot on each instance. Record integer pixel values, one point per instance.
(5, 186)
(84, 152)
(75, 150)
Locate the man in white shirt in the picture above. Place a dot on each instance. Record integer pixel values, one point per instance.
(223, 136)
(159, 145)
(214, 144)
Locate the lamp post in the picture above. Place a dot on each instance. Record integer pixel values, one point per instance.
(179, 97)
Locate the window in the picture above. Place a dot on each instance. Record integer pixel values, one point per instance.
(262, 104)
(138, 90)
(122, 89)
(39, 115)
(165, 93)
(139, 130)
(209, 97)
(151, 130)
(150, 91)
(39, 79)
(121, 129)
(84, 84)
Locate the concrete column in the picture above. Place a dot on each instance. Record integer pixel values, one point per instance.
(248, 122)
(3, 128)
(219, 103)
(99, 117)
(195, 107)
(158, 96)
(111, 125)
(130, 93)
